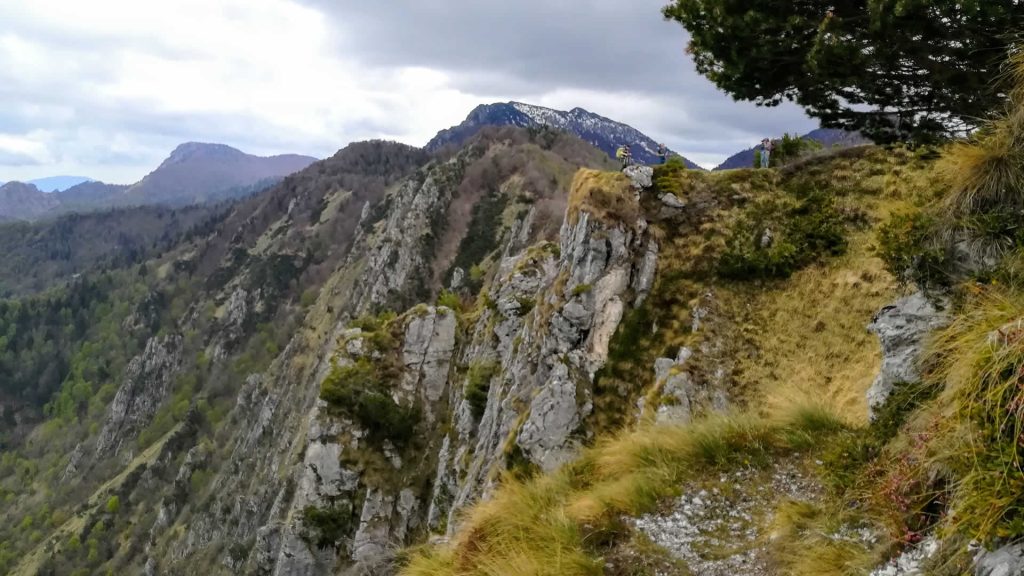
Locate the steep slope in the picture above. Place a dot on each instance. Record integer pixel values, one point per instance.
(297, 392)
(194, 172)
(776, 436)
(519, 360)
(20, 201)
(599, 131)
(211, 362)
(730, 324)
(828, 138)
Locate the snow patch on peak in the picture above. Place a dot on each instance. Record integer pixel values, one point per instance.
(601, 132)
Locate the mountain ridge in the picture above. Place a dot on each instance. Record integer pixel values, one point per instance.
(53, 184)
(196, 171)
(599, 131)
(193, 173)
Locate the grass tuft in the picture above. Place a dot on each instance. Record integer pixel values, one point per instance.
(607, 196)
(980, 360)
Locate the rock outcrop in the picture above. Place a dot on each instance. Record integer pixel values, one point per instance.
(146, 383)
(1006, 561)
(902, 329)
(642, 177)
(548, 333)
(675, 388)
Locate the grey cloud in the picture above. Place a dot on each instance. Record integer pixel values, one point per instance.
(10, 158)
(595, 44)
(494, 49)
(529, 48)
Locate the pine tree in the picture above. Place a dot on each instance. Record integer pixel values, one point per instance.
(893, 69)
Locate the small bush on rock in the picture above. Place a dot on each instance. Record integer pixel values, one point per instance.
(325, 527)
(905, 245)
(775, 239)
(360, 391)
(478, 386)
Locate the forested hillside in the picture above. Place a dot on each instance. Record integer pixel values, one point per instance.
(39, 255)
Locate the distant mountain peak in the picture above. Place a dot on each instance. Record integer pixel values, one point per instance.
(599, 131)
(192, 150)
(197, 171)
(59, 183)
(24, 201)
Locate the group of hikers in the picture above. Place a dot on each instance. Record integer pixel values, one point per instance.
(625, 155)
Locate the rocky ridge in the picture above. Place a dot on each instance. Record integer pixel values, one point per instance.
(488, 378)
(291, 484)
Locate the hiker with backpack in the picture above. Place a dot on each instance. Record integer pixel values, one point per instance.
(624, 155)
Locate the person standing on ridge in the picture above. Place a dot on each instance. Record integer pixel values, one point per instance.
(766, 152)
(624, 155)
(663, 153)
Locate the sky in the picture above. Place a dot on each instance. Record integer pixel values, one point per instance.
(107, 88)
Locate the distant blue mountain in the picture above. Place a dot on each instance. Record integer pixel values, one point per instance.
(601, 132)
(59, 183)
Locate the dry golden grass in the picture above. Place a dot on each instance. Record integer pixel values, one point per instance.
(543, 526)
(988, 171)
(971, 347)
(811, 337)
(607, 196)
(804, 543)
(979, 359)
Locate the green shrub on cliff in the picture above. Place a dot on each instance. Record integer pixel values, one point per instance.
(905, 245)
(776, 238)
(362, 389)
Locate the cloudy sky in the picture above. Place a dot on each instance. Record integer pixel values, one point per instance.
(107, 88)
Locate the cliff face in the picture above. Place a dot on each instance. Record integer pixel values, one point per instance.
(510, 386)
(216, 442)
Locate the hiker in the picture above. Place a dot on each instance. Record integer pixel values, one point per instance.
(624, 155)
(663, 153)
(766, 152)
